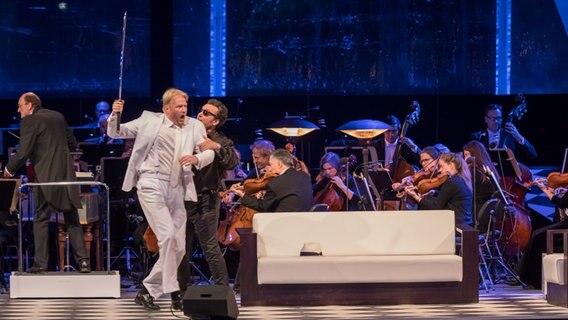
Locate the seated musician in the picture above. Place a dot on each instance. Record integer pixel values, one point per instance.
(494, 136)
(386, 147)
(530, 265)
(455, 193)
(290, 190)
(477, 157)
(103, 138)
(334, 186)
(428, 160)
(261, 150)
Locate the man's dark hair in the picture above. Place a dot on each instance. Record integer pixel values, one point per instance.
(493, 106)
(393, 121)
(33, 99)
(222, 112)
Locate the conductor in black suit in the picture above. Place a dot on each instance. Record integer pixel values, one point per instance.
(289, 191)
(45, 139)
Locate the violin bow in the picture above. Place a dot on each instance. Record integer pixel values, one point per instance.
(121, 67)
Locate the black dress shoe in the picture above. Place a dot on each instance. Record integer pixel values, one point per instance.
(84, 267)
(36, 269)
(146, 300)
(177, 302)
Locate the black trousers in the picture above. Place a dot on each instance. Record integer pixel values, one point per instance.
(202, 221)
(41, 235)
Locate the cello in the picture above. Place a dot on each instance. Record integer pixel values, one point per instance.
(240, 216)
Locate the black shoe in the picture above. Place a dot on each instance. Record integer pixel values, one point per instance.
(84, 266)
(146, 300)
(36, 269)
(177, 301)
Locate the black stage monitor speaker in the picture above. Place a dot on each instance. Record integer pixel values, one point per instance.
(210, 302)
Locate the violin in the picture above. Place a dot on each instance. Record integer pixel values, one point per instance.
(240, 216)
(557, 179)
(428, 184)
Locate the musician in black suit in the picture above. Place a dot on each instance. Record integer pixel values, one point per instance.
(46, 141)
(386, 147)
(494, 136)
(289, 191)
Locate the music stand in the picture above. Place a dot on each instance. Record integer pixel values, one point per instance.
(8, 194)
(505, 162)
(382, 185)
(365, 197)
(93, 152)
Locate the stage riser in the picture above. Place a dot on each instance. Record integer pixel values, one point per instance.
(65, 285)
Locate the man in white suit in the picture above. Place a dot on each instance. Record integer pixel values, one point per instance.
(166, 146)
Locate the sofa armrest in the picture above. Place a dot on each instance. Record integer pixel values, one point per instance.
(469, 252)
(550, 235)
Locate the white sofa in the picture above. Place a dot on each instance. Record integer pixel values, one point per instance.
(555, 269)
(386, 257)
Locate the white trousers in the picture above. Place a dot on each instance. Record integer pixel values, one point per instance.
(164, 209)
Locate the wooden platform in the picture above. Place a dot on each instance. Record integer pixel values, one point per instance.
(97, 284)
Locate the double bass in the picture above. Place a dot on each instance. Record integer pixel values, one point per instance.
(399, 168)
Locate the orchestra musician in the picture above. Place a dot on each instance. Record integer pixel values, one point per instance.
(290, 190)
(494, 135)
(334, 186)
(429, 162)
(261, 150)
(386, 147)
(454, 181)
(530, 265)
(478, 158)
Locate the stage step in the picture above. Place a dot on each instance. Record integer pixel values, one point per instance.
(97, 284)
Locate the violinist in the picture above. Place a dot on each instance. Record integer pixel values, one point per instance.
(261, 150)
(494, 136)
(428, 160)
(530, 265)
(334, 186)
(477, 157)
(203, 214)
(290, 190)
(455, 193)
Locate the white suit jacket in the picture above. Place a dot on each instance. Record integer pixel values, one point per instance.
(145, 130)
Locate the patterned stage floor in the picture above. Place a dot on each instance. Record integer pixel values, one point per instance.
(506, 302)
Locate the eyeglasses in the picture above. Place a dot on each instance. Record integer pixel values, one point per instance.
(423, 161)
(494, 118)
(208, 113)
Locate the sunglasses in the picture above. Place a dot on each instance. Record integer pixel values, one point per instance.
(207, 113)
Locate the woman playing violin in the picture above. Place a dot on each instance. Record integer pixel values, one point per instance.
(428, 161)
(334, 185)
(455, 192)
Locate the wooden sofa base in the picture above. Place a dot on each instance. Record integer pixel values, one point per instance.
(557, 295)
(253, 294)
(356, 294)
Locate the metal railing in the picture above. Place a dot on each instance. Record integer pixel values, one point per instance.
(64, 183)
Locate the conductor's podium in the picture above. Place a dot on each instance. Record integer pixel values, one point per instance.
(97, 284)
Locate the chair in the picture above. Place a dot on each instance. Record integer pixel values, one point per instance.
(555, 269)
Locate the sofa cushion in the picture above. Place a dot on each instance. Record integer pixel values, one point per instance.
(356, 233)
(553, 268)
(359, 269)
